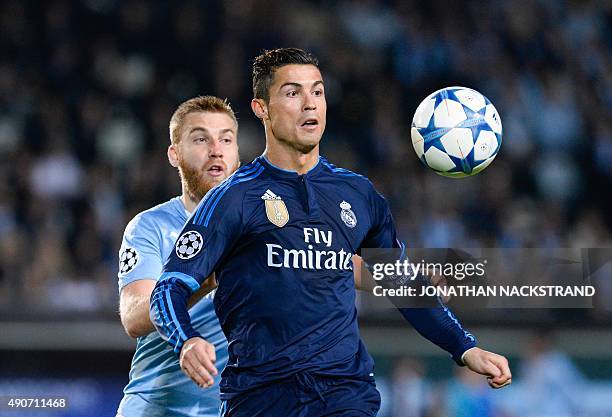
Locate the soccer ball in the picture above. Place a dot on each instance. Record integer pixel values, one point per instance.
(456, 131)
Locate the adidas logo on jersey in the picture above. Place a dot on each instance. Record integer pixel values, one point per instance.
(269, 195)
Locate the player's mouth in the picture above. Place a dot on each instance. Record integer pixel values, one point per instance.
(310, 124)
(215, 170)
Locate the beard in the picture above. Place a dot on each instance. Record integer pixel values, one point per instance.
(196, 182)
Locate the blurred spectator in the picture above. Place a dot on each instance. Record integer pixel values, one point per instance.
(412, 395)
(469, 395)
(550, 384)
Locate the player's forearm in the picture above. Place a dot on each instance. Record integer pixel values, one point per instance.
(440, 326)
(134, 311)
(435, 322)
(169, 314)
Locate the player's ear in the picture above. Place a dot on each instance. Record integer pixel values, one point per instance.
(259, 108)
(173, 156)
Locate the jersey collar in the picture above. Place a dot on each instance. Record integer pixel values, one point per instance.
(180, 207)
(280, 172)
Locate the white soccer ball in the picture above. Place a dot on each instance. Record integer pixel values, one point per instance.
(456, 131)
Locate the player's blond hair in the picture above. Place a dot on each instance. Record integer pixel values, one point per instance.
(196, 105)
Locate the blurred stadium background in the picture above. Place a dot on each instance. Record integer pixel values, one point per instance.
(86, 92)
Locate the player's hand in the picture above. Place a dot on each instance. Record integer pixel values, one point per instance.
(493, 366)
(197, 360)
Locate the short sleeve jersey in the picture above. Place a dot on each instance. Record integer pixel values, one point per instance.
(156, 382)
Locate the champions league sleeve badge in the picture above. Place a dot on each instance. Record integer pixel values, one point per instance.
(276, 210)
(128, 258)
(189, 244)
(347, 215)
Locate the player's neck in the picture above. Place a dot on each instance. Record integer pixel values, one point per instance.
(291, 159)
(189, 204)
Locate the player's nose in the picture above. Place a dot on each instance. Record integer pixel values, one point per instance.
(309, 103)
(215, 149)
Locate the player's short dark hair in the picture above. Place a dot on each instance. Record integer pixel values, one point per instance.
(268, 62)
(198, 104)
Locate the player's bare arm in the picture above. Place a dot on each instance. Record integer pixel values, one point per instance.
(206, 288)
(134, 305)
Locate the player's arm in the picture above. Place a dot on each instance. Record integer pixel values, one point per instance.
(134, 307)
(365, 282)
(361, 283)
(140, 262)
(134, 304)
(207, 236)
(436, 323)
(439, 325)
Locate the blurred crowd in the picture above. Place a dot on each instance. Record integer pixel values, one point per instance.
(546, 384)
(87, 89)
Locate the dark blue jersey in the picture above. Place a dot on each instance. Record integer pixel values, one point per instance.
(281, 246)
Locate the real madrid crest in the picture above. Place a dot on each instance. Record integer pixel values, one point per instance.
(347, 215)
(276, 210)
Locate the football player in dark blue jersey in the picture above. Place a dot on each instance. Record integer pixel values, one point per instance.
(280, 235)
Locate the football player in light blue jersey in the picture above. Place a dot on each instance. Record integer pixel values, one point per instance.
(204, 148)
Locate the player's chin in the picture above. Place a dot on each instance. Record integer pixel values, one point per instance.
(311, 134)
(308, 141)
(205, 184)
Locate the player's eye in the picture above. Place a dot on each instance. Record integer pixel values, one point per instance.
(226, 140)
(200, 139)
(318, 93)
(292, 93)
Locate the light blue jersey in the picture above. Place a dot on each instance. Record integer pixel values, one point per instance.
(158, 386)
